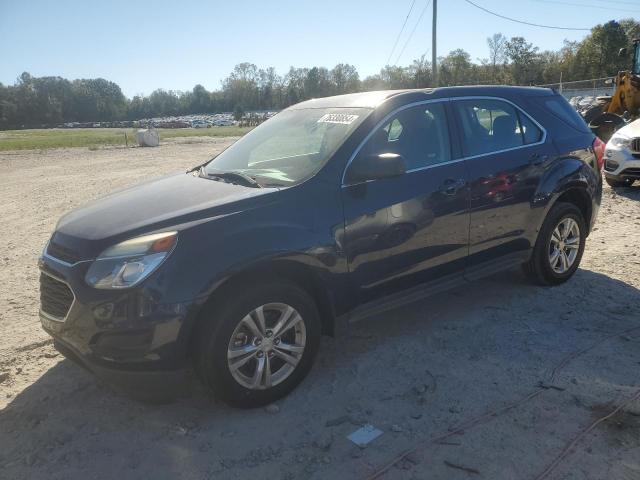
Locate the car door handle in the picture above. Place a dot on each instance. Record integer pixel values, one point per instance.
(450, 186)
(538, 158)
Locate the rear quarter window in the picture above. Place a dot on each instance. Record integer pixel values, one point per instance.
(561, 109)
(529, 130)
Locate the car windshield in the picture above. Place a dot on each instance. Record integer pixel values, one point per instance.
(290, 147)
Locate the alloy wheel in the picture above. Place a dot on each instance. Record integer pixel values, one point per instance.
(564, 245)
(266, 346)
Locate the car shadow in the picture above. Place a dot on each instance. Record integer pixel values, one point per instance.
(632, 192)
(408, 371)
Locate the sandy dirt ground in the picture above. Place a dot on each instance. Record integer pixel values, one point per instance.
(497, 380)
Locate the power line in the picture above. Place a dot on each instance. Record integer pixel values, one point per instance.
(522, 22)
(401, 30)
(585, 5)
(412, 32)
(633, 4)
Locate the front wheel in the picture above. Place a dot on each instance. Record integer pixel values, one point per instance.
(257, 346)
(559, 247)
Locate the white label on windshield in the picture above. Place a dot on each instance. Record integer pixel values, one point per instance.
(342, 118)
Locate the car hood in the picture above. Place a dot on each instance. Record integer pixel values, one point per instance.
(631, 130)
(166, 202)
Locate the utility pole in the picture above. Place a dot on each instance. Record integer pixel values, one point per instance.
(560, 83)
(434, 55)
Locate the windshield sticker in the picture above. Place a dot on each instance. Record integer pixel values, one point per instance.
(343, 118)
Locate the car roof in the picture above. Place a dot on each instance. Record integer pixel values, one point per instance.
(375, 98)
(350, 100)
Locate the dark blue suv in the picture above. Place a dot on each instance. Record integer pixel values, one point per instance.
(334, 209)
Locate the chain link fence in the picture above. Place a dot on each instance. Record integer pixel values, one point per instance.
(583, 93)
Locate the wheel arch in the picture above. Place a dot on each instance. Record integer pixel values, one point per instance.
(302, 274)
(571, 180)
(579, 197)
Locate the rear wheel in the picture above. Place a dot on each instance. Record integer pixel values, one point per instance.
(258, 345)
(559, 247)
(625, 182)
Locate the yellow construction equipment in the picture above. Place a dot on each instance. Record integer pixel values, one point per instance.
(613, 112)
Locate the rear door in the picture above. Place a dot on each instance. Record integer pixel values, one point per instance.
(506, 153)
(406, 230)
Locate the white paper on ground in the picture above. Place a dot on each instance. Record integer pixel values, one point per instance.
(365, 435)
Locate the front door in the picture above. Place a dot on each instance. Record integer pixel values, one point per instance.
(410, 229)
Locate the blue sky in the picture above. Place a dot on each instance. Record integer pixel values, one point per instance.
(175, 45)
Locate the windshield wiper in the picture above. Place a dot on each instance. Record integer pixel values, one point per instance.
(232, 177)
(198, 168)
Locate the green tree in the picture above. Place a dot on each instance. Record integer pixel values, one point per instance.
(522, 56)
(241, 86)
(317, 83)
(597, 55)
(345, 79)
(238, 113)
(199, 100)
(457, 69)
(497, 44)
(420, 71)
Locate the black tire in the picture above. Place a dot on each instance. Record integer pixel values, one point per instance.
(625, 182)
(539, 268)
(592, 113)
(604, 125)
(217, 324)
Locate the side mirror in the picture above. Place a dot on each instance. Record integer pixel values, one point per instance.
(375, 167)
(622, 52)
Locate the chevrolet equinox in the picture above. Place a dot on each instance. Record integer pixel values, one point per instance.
(335, 209)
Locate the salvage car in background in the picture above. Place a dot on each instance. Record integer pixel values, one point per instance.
(622, 156)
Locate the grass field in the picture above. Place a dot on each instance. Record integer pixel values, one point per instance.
(97, 137)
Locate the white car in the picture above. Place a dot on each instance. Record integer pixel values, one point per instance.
(622, 156)
(200, 124)
(223, 122)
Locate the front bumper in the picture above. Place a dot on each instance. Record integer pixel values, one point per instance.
(131, 339)
(148, 386)
(621, 163)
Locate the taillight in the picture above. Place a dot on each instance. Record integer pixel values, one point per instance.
(598, 149)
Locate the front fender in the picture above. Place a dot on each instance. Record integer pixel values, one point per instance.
(251, 245)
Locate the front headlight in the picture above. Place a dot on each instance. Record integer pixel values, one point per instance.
(620, 141)
(128, 263)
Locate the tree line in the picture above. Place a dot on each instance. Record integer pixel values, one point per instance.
(48, 101)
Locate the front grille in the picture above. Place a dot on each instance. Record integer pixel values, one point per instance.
(55, 297)
(60, 252)
(631, 172)
(635, 144)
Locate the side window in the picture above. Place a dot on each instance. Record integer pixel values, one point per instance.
(394, 129)
(530, 131)
(491, 125)
(417, 133)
